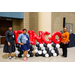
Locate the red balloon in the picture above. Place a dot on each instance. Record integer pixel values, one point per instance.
(53, 37)
(43, 37)
(40, 35)
(16, 35)
(38, 38)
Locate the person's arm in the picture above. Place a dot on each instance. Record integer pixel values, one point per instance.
(67, 34)
(6, 38)
(19, 40)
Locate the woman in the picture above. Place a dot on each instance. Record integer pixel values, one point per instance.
(24, 41)
(9, 46)
(64, 42)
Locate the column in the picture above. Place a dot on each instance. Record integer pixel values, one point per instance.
(44, 21)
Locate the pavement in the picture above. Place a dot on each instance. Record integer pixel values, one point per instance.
(70, 57)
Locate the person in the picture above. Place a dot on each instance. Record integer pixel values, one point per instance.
(64, 42)
(9, 46)
(24, 41)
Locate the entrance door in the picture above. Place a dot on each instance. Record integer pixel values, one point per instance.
(3, 28)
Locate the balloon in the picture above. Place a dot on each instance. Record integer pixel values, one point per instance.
(29, 52)
(17, 52)
(46, 48)
(28, 55)
(54, 54)
(39, 52)
(40, 35)
(16, 35)
(43, 55)
(31, 49)
(19, 49)
(43, 48)
(36, 51)
(50, 54)
(37, 45)
(46, 55)
(36, 54)
(31, 55)
(52, 51)
(39, 48)
(57, 45)
(22, 55)
(45, 45)
(43, 37)
(53, 37)
(44, 51)
(41, 45)
(19, 55)
(32, 40)
(49, 45)
(53, 44)
(21, 52)
(37, 37)
(17, 45)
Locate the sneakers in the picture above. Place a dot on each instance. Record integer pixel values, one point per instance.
(25, 59)
(9, 57)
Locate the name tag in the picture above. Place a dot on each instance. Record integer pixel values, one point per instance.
(13, 36)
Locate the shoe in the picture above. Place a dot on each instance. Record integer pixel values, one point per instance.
(25, 59)
(9, 57)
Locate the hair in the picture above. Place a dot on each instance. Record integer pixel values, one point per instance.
(24, 29)
(9, 26)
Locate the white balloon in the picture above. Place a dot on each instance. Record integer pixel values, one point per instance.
(52, 51)
(22, 55)
(52, 47)
(28, 55)
(49, 45)
(17, 52)
(36, 50)
(44, 51)
(54, 54)
(35, 47)
(57, 45)
(41, 45)
(43, 48)
(39, 52)
(46, 55)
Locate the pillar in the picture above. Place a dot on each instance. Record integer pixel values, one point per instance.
(44, 21)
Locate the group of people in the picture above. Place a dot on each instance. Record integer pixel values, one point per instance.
(24, 41)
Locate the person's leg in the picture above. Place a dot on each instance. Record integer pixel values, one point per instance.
(25, 53)
(65, 52)
(9, 54)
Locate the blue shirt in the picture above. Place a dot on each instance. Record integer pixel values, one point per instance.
(23, 38)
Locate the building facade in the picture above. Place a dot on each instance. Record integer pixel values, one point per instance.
(37, 21)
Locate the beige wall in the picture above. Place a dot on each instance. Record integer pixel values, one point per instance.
(30, 22)
(45, 21)
(57, 20)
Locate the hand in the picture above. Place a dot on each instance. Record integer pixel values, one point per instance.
(21, 44)
(64, 43)
(8, 44)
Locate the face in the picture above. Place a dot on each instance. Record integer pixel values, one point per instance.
(24, 31)
(10, 28)
(65, 29)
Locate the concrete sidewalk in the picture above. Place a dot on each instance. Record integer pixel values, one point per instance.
(70, 58)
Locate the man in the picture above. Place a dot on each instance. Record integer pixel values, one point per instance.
(9, 46)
